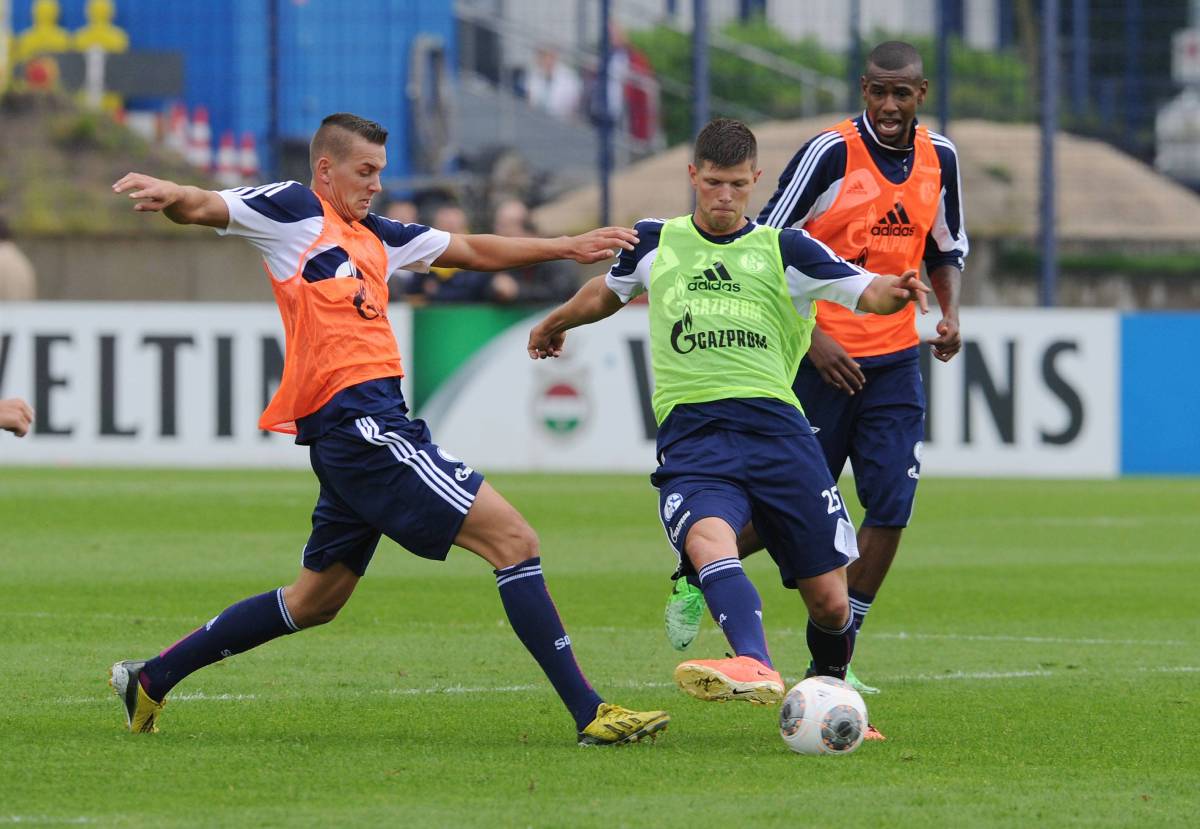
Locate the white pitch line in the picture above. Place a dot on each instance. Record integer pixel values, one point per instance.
(968, 676)
(33, 819)
(195, 696)
(1037, 640)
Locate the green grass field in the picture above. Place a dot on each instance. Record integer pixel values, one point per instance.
(1038, 644)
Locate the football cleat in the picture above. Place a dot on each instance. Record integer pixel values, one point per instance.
(736, 678)
(685, 609)
(141, 712)
(614, 726)
(873, 733)
(857, 684)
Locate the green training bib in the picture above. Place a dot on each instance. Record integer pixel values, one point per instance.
(722, 322)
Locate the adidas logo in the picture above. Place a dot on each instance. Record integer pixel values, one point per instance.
(714, 278)
(856, 188)
(894, 223)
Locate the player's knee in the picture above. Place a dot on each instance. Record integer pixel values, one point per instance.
(515, 542)
(830, 610)
(312, 613)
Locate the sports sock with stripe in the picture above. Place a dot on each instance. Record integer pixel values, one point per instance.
(534, 619)
(831, 649)
(860, 603)
(736, 607)
(237, 628)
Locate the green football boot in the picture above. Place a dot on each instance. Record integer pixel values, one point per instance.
(685, 609)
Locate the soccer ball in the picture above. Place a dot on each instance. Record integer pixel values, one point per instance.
(823, 715)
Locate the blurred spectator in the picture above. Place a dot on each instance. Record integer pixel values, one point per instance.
(547, 282)
(400, 280)
(554, 86)
(402, 210)
(631, 97)
(451, 284)
(18, 283)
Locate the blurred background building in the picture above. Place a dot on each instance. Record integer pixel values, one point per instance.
(1077, 124)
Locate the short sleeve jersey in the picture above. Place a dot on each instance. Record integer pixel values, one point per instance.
(284, 219)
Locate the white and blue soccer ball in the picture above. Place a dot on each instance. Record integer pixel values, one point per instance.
(823, 715)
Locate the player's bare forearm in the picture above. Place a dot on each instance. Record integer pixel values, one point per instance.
(487, 252)
(947, 286)
(182, 204)
(591, 303)
(946, 281)
(889, 294)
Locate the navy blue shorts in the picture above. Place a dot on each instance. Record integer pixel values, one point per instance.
(383, 475)
(879, 430)
(780, 483)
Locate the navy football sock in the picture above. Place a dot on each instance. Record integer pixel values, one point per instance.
(533, 617)
(736, 607)
(860, 603)
(831, 649)
(237, 628)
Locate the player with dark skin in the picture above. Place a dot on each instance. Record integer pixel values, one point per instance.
(891, 98)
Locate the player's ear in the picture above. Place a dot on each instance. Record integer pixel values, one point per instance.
(922, 90)
(321, 172)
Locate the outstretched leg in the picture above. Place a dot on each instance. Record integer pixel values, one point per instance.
(495, 531)
(313, 599)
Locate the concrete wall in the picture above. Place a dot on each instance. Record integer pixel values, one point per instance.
(193, 267)
(198, 267)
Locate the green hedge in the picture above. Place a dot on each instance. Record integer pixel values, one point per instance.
(984, 84)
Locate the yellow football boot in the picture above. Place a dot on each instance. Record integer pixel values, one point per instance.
(614, 726)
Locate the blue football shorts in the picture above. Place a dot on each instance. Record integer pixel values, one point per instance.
(781, 483)
(383, 475)
(879, 430)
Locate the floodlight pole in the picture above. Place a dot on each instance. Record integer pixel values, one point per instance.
(1047, 288)
(605, 115)
(854, 94)
(943, 66)
(700, 109)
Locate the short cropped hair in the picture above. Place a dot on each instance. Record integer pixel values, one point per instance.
(725, 142)
(332, 138)
(894, 56)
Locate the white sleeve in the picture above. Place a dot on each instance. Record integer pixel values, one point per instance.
(629, 284)
(281, 220)
(419, 252)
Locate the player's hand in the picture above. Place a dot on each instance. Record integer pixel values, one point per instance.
(16, 416)
(545, 343)
(948, 341)
(912, 289)
(837, 368)
(598, 245)
(152, 194)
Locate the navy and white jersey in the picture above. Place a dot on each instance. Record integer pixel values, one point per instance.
(813, 270)
(812, 180)
(284, 219)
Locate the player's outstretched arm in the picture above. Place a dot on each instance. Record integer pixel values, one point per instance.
(889, 294)
(15, 416)
(182, 204)
(594, 301)
(485, 252)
